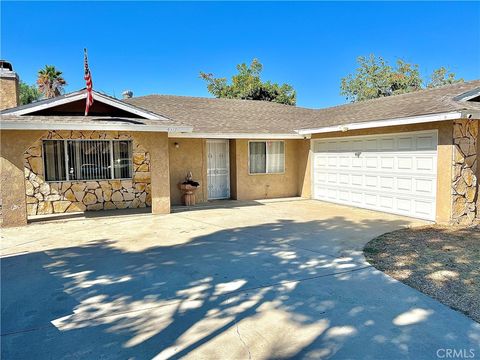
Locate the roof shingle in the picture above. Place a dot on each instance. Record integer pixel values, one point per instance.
(210, 115)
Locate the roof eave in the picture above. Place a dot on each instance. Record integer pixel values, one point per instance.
(386, 122)
(265, 136)
(26, 125)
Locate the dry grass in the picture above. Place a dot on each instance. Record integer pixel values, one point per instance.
(442, 262)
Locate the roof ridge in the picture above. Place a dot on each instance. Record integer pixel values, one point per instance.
(396, 96)
(218, 99)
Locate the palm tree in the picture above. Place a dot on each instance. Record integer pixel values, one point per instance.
(50, 81)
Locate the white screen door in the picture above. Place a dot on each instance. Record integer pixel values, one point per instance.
(218, 169)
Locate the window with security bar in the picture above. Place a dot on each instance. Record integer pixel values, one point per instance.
(83, 160)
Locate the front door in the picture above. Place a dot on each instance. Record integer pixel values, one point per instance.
(218, 169)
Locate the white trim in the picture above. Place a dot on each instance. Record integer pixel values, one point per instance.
(48, 104)
(24, 125)
(68, 98)
(384, 123)
(67, 159)
(466, 96)
(237, 136)
(127, 107)
(112, 161)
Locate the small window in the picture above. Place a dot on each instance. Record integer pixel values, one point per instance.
(87, 160)
(266, 157)
(54, 155)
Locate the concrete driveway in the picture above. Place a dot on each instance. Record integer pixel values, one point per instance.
(257, 280)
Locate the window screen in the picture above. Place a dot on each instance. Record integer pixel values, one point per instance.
(87, 159)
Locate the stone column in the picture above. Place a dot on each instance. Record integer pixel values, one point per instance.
(12, 176)
(465, 182)
(156, 144)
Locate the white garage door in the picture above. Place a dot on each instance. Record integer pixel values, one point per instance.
(395, 173)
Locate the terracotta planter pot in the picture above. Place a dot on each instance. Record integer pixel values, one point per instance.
(188, 197)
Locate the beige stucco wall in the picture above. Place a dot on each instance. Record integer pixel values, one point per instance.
(304, 169)
(13, 144)
(265, 186)
(157, 145)
(233, 168)
(190, 155)
(444, 163)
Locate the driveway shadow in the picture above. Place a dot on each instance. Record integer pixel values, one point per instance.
(246, 292)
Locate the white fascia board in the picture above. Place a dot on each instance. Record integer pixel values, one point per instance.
(384, 123)
(127, 107)
(38, 107)
(96, 96)
(15, 125)
(195, 135)
(471, 114)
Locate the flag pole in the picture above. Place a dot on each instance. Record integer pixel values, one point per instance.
(88, 82)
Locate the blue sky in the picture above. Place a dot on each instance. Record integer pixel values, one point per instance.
(155, 47)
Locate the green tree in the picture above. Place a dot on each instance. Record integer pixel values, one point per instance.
(375, 78)
(50, 81)
(28, 93)
(247, 84)
(442, 76)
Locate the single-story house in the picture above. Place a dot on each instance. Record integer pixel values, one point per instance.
(413, 154)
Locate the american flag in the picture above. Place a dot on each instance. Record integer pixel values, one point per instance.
(88, 80)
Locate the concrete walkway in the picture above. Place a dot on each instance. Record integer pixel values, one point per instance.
(249, 280)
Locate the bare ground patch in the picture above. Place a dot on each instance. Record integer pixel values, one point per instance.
(442, 262)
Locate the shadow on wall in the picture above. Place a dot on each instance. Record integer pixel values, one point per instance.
(237, 286)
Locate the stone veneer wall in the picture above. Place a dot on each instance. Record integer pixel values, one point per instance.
(465, 183)
(74, 196)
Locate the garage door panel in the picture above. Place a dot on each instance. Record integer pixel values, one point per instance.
(357, 163)
(424, 186)
(387, 162)
(332, 161)
(371, 145)
(404, 162)
(387, 183)
(344, 179)
(357, 180)
(356, 197)
(371, 181)
(423, 208)
(386, 202)
(371, 199)
(405, 184)
(393, 173)
(426, 142)
(371, 162)
(405, 143)
(344, 161)
(404, 205)
(424, 163)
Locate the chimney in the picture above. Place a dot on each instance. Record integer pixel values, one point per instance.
(127, 94)
(9, 87)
